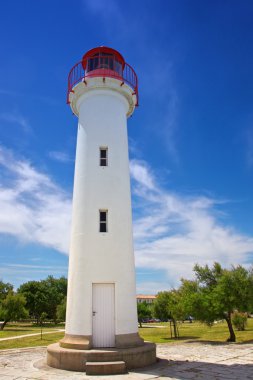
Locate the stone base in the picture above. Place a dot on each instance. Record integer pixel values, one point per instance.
(105, 368)
(77, 342)
(84, 342)
(75, 360)
(128, 340)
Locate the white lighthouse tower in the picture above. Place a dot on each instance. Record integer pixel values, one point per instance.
(101, 305)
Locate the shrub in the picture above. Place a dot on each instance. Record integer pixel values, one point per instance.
(239, 320)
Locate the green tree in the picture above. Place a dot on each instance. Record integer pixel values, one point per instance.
(216, 293)
(176, 309)
(144, 311)
(5, 288)
(12, 308)
(61, 310)
(56, 292)
(161, 310)
(168, 305)
(44, 296)
(36, 297)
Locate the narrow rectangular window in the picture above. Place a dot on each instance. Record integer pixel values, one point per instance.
(103, 214)
(103, 156)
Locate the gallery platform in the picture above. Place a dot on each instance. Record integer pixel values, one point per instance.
(108, 359)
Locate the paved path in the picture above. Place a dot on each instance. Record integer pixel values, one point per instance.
(199, 361)
(33, 334)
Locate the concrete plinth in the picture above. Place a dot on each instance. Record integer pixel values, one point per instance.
(75, 360)
(105, 368)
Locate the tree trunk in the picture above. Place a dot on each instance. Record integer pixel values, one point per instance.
(230, 327)
(175, 327)
(2, 325)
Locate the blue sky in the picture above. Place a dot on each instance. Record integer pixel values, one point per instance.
(191, 138)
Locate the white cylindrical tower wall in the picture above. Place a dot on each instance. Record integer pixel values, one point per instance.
(97, 257)
(101, 302)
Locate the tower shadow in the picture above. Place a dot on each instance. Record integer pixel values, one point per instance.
(201, 370)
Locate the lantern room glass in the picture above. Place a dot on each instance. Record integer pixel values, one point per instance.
(104, 61)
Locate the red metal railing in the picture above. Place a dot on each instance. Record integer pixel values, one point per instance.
(103, 66)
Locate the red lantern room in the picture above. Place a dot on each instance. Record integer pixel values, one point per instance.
(103, 62)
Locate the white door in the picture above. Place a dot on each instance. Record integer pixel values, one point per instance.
(103, 318)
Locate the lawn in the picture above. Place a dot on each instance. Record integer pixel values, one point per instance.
(31, 341)
(25, 328)
(196, 331)
(188, 332)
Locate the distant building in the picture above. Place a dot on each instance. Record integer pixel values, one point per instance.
(145, 298)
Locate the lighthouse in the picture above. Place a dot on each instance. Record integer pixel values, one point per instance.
(101, 320)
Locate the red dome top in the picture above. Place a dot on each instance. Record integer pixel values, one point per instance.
(103, 51)
(103, 62)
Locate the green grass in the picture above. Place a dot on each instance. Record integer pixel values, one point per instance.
(188, 332)
(196, 331)
(24, 329)
(31, 341)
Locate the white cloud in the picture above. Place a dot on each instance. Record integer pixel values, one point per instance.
(33, 208)
(170, 124)
(19, 273)
(152, 287)
(16, 118)
(163, 97)
(173, 232)
(139, 172)
(60, 156)
(33, 267)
